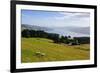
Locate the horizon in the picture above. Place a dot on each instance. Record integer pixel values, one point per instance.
(56, 26)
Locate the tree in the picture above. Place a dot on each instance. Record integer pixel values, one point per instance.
(25, 33)
(83, 40)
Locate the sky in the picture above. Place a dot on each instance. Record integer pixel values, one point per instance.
(55, 18)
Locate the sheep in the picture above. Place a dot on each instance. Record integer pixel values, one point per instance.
(40, 54)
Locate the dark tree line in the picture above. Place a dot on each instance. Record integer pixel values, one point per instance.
(55, 37)
(83, 40)
(39, 33)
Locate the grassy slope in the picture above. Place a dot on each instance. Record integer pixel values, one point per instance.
(53, 51)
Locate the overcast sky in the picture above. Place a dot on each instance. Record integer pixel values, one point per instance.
(55, 19)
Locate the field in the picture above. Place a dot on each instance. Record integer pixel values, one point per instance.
(52, 51)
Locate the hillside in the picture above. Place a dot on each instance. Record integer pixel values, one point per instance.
(52, 51)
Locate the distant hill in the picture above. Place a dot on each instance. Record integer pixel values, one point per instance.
(83, 30)
(34, 27)
(70, 30)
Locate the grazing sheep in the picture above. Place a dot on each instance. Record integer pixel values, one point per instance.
(40, 54)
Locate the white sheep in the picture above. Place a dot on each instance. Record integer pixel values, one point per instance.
(40, 54)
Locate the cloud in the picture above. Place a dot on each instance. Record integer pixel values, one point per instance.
(72, 15)
(74, 18)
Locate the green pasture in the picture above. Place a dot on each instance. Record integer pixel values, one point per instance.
(52, 51)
